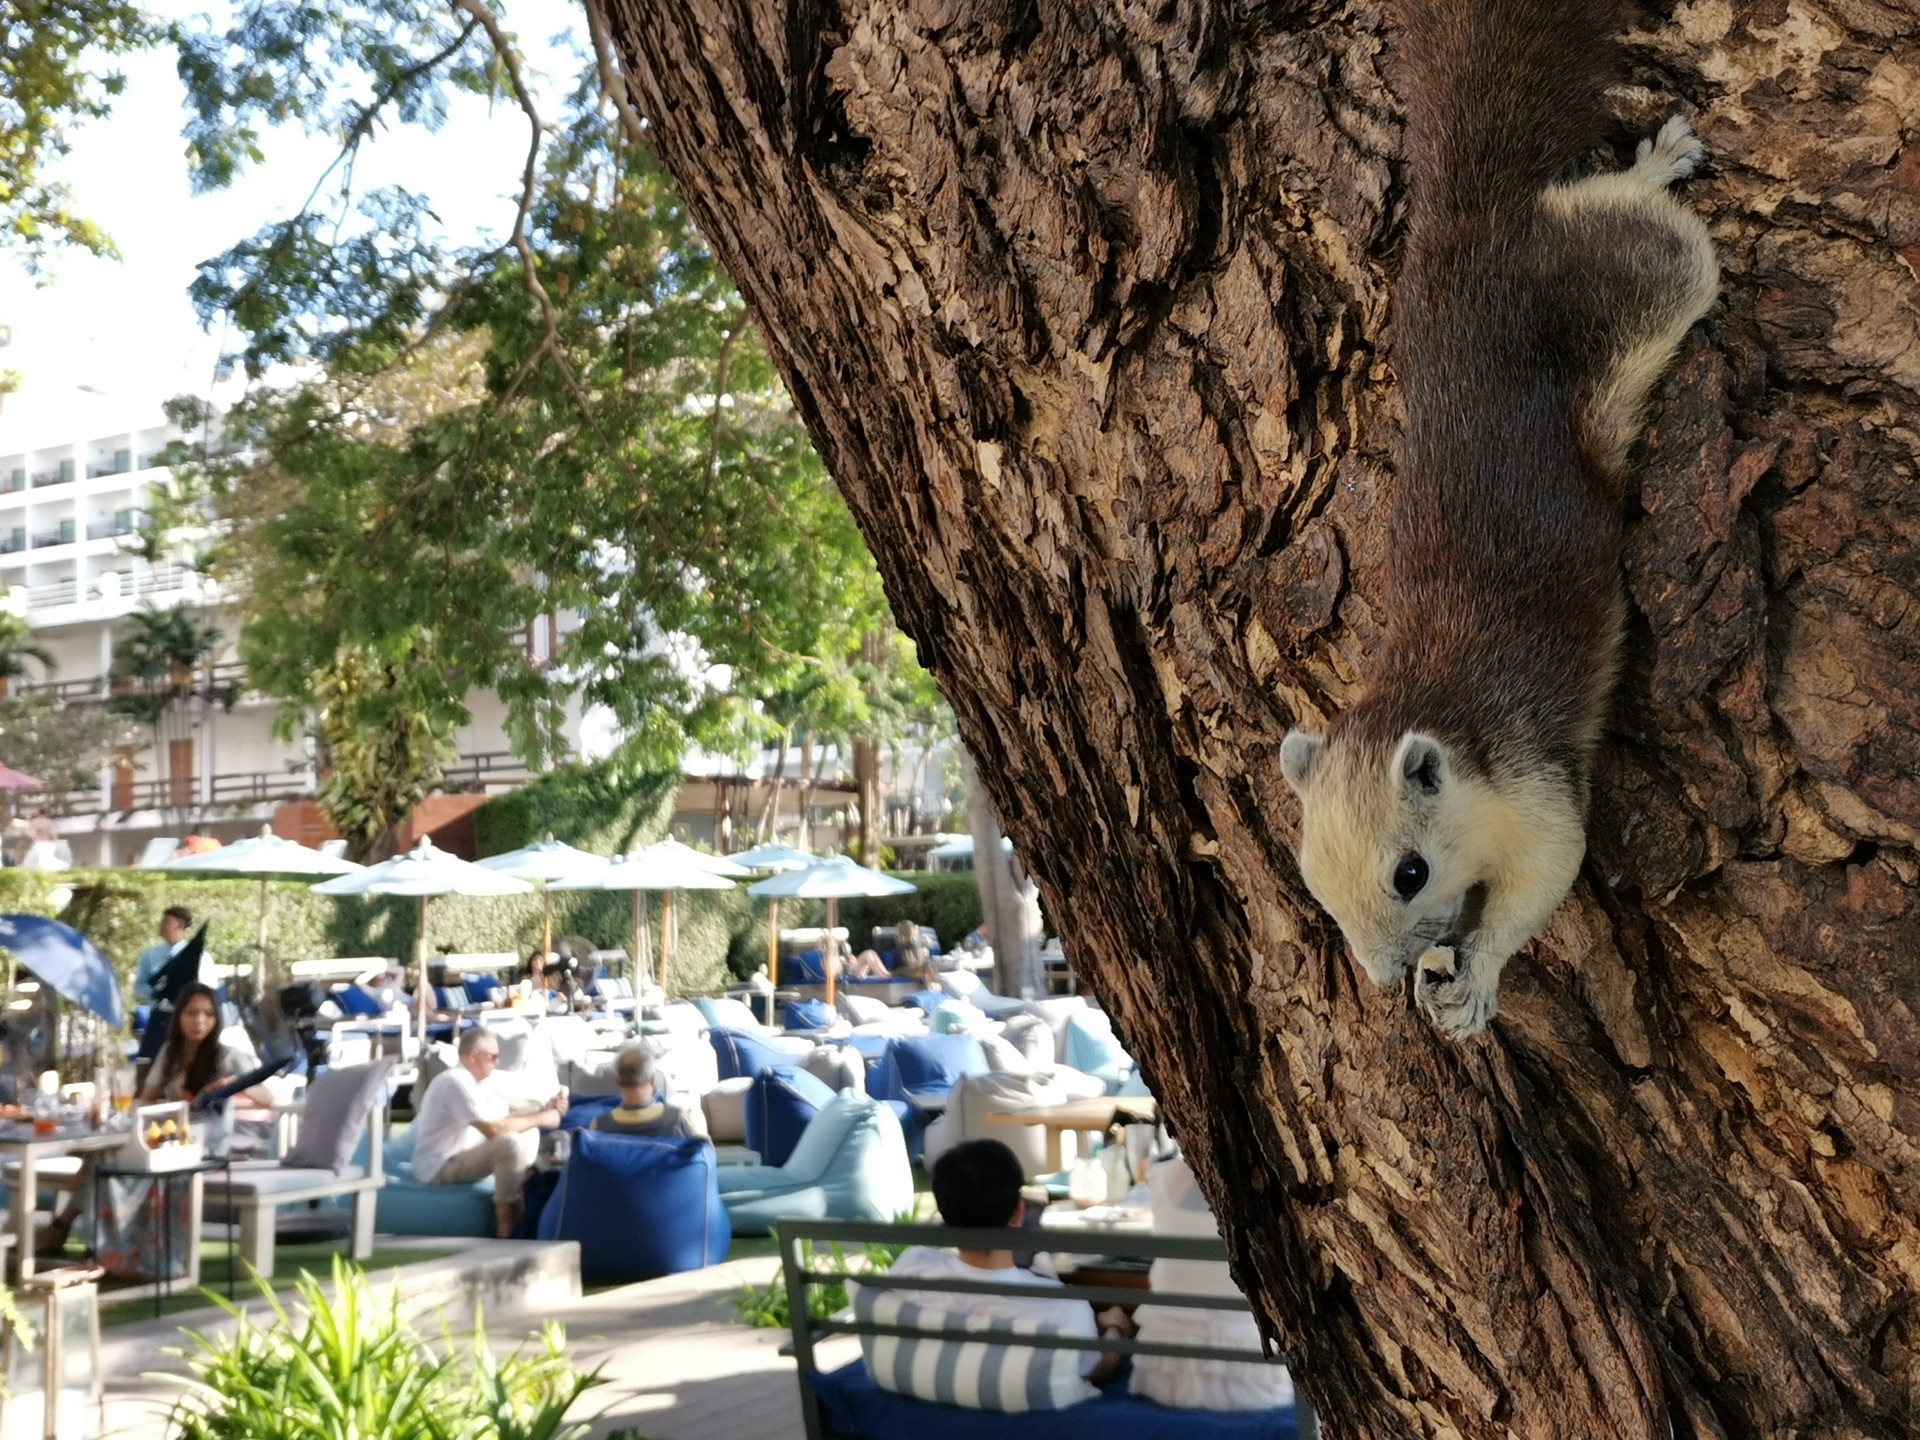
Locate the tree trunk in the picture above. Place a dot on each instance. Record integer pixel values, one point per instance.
(1088, 309)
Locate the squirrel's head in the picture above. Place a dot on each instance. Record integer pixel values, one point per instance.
(1417, 854)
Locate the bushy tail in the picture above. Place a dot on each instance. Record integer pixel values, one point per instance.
(1502, 97)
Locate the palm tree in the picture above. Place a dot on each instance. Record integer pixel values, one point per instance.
(154, 661)
(17, 646)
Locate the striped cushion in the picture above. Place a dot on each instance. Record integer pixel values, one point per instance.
(969, 1373)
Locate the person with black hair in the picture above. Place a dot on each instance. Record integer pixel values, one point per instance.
(176, 923)
(977, 1187)
(193, 1058)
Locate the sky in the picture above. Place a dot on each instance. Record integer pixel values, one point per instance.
(124, 329)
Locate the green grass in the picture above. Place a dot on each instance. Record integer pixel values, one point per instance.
(217, 1263)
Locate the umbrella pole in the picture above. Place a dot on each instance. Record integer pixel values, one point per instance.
(773, 945)
(546, 926)
(420, 968)
(666, 938)
(260, 983)
(831, 950)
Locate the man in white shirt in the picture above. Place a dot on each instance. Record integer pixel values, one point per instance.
(464, 1129)
(977, 1185)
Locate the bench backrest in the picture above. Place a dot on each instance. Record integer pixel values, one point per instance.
(806, 1261)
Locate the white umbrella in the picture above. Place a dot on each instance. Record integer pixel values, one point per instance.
(543, 863)
(666, 867)
(265, 855)
(727, 865)
(831, 880)
(422, 873)
(773, 858)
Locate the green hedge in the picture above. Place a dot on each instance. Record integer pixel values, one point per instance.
(600, 808)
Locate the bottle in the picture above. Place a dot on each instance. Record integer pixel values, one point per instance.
(1113, 1159)
(1087, 1181)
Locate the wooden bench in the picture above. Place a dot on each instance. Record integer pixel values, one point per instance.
(809, 1254)
(259, 1188)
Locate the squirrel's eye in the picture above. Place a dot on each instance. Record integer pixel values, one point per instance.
(1409, 876)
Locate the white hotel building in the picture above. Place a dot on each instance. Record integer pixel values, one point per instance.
(72, 497)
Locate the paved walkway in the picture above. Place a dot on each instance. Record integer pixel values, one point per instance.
(676, 1366)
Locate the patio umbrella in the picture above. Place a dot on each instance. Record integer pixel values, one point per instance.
(422, 873)
(12, 779)
(543, 863)
(665, 867)
(775, 859)
(831, 880)
(66, 960)
(265, 855)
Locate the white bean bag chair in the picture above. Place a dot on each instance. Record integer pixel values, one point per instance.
(725, 1106)
(1056, 1011)
(974, 1097)
(1180, 1209)
(862, 1009)
(840, 1066)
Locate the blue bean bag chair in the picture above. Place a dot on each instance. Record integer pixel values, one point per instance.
(640, 1207)
(407, 1207)
(743, 1056)
(1092, 1050)
(922, 1067)
(780, 1105)
(851, 1164)
(927, 1001)
(807, 1015)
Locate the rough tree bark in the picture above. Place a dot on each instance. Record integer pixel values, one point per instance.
(1088, 306)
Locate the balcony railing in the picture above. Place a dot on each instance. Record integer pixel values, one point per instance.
(259, 787)
(13, 542)
(487, 765)
(46, 539)
(52, 597)
(107, 529)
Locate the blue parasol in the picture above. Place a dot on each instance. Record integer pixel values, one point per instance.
(65, 959)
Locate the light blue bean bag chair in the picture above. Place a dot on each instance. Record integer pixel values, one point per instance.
(851, 1164)
(407, 1207)
(1092, 1050)
(783, 1102)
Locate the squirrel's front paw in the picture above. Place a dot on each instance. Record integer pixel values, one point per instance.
(1675, 153)
(1458, 992)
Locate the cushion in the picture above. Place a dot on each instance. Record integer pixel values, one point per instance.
(639, 1207)
(841, 1067)
(728, 1014)
(958, 983)
(927, 1000)
(1004, 1056)
(725, 1107)
(335, 1117)
(683, 1018)
(359, 1002)
(780, 1104)
(863, 1009)
(854, 1405)
(955, 1017)
(970, 1373)
(807, 1014)
(1091, 1047)
(1055, 1011)
(740, 1053)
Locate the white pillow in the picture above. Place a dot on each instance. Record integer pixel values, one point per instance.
(862, 1009)
(1033, 1037)
(726, 1110)
(949, 1371)
(731, 1014)
(1003, 1055)
(1056, 1010)
(840, 1066)
(959, 983)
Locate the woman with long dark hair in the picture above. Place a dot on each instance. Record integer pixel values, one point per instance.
(193, 1057)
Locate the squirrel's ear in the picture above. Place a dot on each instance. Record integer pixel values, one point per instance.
(1299, 753)
(1421, 763)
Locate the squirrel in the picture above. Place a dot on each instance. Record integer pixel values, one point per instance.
(1443, 815)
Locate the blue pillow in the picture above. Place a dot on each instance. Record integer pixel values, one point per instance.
(743, 1055)
(807, 1014)
(357, 1001)
(481, 989)
(779, 1107)
(927, 1000)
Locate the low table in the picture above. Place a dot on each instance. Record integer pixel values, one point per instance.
(19, 1143)
(1082, 1117)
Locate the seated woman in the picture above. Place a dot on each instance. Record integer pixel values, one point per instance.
(191, 1060)
(193, 1057)
(867, 965)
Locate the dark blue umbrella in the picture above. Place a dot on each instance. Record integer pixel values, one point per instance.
(65, 959)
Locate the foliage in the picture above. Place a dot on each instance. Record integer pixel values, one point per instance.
(767, 1307)
(351, 1365)
(382, 750)
(947, 902)
(606, 808)
(64, 746)
(17, 646)
(156, 660)
(48, 54)
(119, 910)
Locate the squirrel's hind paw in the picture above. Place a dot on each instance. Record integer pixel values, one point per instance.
(1674, 154)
